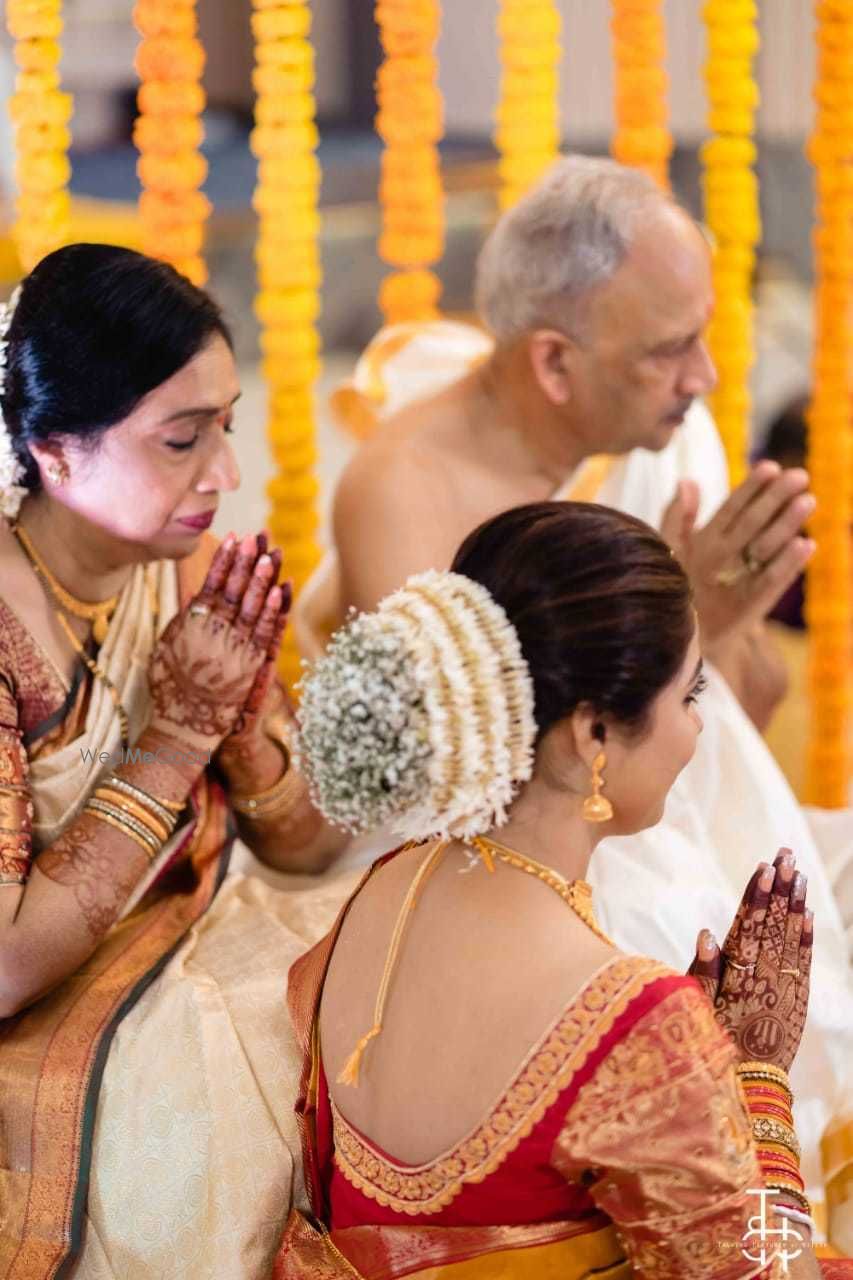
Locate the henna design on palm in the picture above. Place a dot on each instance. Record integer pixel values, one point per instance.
(206, 666)
(759, 982)
(193, 692)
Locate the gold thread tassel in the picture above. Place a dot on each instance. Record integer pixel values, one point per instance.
(349, 1072)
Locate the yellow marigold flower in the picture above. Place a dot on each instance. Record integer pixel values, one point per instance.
(290, 343)
(287, 307)
(297, 173)
(52, 207)
(304, 488)
(35, 25)
(281, 23)
(183, 171)
(277, 109)
(174, 208)
(292, 373)
(286, 81)
(50, 108)
(43, 137)
(285, 53)
(170, 98)
(38, 55)
(287, 139)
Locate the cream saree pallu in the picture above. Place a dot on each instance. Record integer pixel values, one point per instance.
(52, 1055)
(146, 1104)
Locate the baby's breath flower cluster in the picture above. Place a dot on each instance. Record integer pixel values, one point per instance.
(420, 714)
(363, 743)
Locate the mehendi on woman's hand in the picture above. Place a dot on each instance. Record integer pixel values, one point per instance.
(82, 860)
(209, 657)
(759, 983)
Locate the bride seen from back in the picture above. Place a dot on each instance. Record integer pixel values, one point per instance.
(491, 1078)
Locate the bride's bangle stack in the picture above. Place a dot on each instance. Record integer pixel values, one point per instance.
(145, 819)
(768, 1099)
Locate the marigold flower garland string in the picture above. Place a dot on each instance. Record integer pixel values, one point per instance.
(642, 138)
(288, 262)
(732, 213)
(830, 462)
(527, 132)
(168, 134)
(41, 114)
(410, 122)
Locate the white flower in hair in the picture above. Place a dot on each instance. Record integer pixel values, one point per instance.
(420, 713)
(11, 471)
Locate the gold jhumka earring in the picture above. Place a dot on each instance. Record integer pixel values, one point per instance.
(596, 807)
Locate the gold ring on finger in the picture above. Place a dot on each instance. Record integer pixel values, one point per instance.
(751, 562)
(795, 973)
(199, 610)
(742, 968)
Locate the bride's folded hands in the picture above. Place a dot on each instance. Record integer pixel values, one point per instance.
(758, 984)
(759, 981)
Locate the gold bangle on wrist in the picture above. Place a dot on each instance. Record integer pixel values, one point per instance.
(276, 799)
(119, 824)
(145, 833)
(166, 810)
(764, 1070)
(271, 803)
(120, 801)
(767, 1129)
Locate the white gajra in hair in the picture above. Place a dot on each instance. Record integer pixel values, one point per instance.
(420, 714)
(11, 471)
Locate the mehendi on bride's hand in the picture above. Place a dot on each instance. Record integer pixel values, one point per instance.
(762, 996)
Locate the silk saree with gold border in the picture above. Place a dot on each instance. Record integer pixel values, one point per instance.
(621, 1147)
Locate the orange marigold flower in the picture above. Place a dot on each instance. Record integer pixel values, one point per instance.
(168, 98)
(153, 19)
(170, 58)
(183, 133)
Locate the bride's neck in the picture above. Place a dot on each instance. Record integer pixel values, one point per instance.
(546, 824)
(84, 559)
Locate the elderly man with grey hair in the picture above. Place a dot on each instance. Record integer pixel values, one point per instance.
(596, 288)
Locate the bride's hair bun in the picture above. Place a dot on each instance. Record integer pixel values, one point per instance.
(420, 714)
